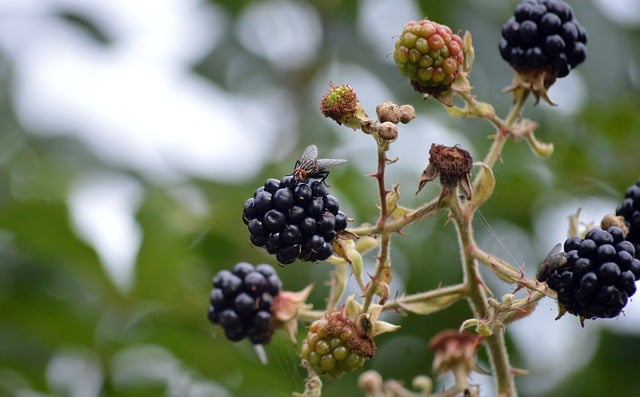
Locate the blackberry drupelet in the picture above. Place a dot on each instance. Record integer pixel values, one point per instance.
(294, 219)
(335, 346)
(429, 54)
(241, 301)
(597, 274)
(630, 211)
(543, 35)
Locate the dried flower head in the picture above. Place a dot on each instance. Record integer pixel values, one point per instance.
(453, 165)
(454, 351)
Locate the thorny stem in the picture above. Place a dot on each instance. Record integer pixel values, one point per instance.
(496, 346)
(397, 225)
(507, 272)
(503, 131)
(442, 292)
(382, 190)
(382, 264)
(477, 297)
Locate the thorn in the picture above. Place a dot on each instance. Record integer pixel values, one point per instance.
(519, 371)
(485, 286)
(261, 353)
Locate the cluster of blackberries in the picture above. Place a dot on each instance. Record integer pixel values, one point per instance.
(595, 275)
(630, 211)
(241, 302)
(543, 35)
(294, 219)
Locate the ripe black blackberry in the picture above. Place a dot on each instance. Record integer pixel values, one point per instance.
(294, 219)
(543, 35)
(595, 275)
(542, 41)
(241, 301)
(630, 211)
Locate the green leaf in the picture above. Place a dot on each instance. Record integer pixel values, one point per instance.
(430, 305)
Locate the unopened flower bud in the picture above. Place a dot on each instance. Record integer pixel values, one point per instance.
(388, 131)
(407, 113)
(370, 381)
(388, 111)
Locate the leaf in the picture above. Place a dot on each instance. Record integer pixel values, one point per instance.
(431, 305)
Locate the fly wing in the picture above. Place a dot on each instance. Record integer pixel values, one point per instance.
(310, 153)
(324, 164)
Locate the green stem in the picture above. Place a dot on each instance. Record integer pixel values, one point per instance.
(383, 270)
(508, 273)
(496, 346)
(503, 130)
(397, 225)
(382, 274)
(425, 297)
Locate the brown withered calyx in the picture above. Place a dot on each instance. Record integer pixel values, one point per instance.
(453, 165)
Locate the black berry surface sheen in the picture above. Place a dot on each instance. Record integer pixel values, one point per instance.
(630, 211)
(294, 219)
(241, 301)
(543, 35)
(599, 275)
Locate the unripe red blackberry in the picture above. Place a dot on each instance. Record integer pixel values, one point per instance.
(594, 276)
(294, 219)
(241, 302)
(543, 36)
(630, 211)
(429, 54)
(336, 345)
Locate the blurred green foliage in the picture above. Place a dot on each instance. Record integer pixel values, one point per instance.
(56, 298)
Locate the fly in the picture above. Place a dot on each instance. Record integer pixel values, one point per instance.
(310, 166)
(552, 262)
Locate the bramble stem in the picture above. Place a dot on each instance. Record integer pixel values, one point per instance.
(397, 225)
(426, 297)
(503, 131)
(496, 346)
(508, 273)
(382, 274)
(470, 253)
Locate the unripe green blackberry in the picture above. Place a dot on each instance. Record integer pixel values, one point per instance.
(630, 211)
(543, 37)
(336, 345)
(294, 219)
(241, 302)
(429, 54)
(594, 276)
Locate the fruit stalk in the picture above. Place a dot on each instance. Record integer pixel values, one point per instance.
(477, 297)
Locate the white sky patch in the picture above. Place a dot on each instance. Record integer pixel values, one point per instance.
(136, 103)
(75, 372)
(103, 211)
(623, 12)
(570, 93)
(285, 33)
(380, 23)
(546, 344)
(551, 222)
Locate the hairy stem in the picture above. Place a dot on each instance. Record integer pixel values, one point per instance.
(508, 273)
(382, 274)
(458, 290)
(503, 131)
(496, 346)
(397, 225)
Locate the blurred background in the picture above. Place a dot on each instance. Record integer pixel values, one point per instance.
(131, 133)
